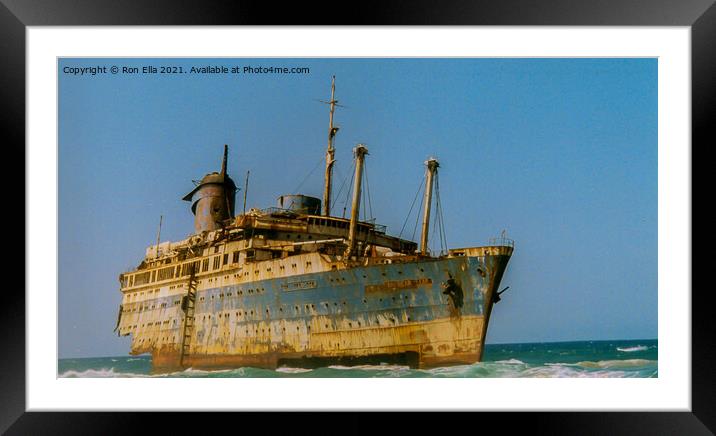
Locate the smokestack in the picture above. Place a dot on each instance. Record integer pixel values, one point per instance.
(213, 199)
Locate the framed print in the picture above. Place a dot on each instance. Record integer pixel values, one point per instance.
(488, 216)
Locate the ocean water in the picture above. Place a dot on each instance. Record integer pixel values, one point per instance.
(627, 358)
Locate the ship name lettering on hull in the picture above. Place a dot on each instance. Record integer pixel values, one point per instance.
(398, 284)
(298, 286)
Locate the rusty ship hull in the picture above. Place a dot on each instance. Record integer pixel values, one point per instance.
(295, 285)
(394, 312)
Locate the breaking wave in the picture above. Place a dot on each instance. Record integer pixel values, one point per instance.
(556, 360)
(98, 373)
(293, 370)
(371, 367)
(617, 363)
(511, 361)
(512, 368)
(633, 349)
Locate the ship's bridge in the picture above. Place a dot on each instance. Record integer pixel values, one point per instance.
(319, 227)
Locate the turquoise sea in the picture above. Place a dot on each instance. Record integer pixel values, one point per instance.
(617, 358)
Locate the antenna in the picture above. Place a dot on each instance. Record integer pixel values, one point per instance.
(246, 189)
(159, 233)
(223, 162)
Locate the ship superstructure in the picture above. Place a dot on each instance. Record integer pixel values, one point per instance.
(294, 285)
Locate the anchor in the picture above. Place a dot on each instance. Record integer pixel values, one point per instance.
(496, 298)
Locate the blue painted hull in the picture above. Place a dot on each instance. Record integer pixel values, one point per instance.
(397, 312)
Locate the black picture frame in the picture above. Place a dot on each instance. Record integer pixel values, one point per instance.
(16, 15)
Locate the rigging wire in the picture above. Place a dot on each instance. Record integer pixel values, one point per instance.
(367, 188)
(417, 216)
(437, 211)
(441, 217)
(350, 188)
(435, 228)
(422, 182)
(362, 197)
(337, 196)
(308, 175)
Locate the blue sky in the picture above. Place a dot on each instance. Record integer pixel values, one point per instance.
(560, 153)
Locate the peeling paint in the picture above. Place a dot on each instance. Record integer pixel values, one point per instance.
(382, 309)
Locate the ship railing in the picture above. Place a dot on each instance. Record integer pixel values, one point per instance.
(378, 228)
(502, 241)
(278, 211)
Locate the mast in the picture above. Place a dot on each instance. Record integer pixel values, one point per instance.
(432, 167)
(360, 151)
(330, 152)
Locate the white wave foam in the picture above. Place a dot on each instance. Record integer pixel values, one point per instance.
(450, 371)
(97, 373)
(293, 370)
(559, 371)
(627, 363)
(200, 372)
(633, 349)
(372, 367)
(511, 362)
